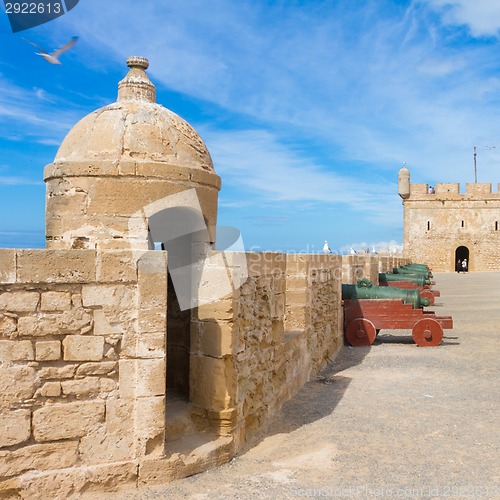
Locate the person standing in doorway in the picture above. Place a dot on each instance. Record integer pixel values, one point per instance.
(464, 266)
(458, 267)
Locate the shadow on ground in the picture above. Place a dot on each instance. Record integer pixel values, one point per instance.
(328, 387)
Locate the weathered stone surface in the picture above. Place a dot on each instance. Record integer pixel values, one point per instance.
(216, 338)
(66, 421)
(19, 301)
(16, 350)
(38, 457)
(7, 265)
(51, 390)
(56, 266)
(105, 323)
(220, 310)
(88, 481)
(212, 382)
(16, 383)
(115, 442)
(104, 368)
(152, 320)
(85, 387)
(15, 427)
(142, 377)
(119, 296)
(83, 348)
(49, 350)
(152, 276)
(53, 372)
(8, 325)
(56, 301)
(42, 324)
(116, 266)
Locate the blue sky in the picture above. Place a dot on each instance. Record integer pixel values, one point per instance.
(309, 108)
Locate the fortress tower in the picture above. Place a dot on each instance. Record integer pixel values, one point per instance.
(443, 225)
(120, 165)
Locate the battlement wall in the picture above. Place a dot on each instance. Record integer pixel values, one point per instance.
(478, 191)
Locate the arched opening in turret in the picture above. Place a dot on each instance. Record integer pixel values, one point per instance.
(461, 255)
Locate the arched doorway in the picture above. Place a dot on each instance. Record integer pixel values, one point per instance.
(462, 253)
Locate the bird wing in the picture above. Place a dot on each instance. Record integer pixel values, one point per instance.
(60, 50)
(35, 44)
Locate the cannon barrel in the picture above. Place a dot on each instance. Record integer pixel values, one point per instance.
(412, 272)
(364, 291)
(417, 267)
(418, 280)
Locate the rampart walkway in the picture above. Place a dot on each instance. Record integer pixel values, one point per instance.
(393, 420)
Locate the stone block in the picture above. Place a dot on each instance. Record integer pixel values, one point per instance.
(216, 338)
(19, 301)
(7, 265)
(15, 427)
(103, 324)
(102, 447)
(50, 390)
(150, 417)
(298, 297)
(83, 348)
(8, 326)
(53, 372)
(107, 386)
(152, 320)
(219, 310)
(56, 301)
(56, 266)
(118, 296)
(142, 377)
(48, 350)
(38, 457)
(16, 350)
(17, 383)
(67, 421)
(113, 266)
(212, 382)
(151, 345)
(152, 276)
(97, 369)
(43, 324)
(81, 388)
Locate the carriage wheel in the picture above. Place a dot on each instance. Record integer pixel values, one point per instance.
(360, 332)
(427, 332)
(427, 294)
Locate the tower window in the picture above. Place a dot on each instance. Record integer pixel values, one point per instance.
(496, 225)
(428, 225)
(462, 223)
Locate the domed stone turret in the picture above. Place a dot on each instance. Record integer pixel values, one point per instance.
(120, 159)
(404, 183)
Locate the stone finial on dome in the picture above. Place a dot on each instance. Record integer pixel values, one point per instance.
(137, 86)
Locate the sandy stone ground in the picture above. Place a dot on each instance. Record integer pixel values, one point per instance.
(388, 421)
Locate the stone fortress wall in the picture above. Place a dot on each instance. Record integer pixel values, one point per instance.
(83, 363)
(443, 226)
(105, 380)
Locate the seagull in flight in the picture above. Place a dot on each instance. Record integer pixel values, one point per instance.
(52, 57)
(326, 248)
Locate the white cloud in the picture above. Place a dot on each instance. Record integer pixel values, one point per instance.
(257, 162)
(481, 16)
